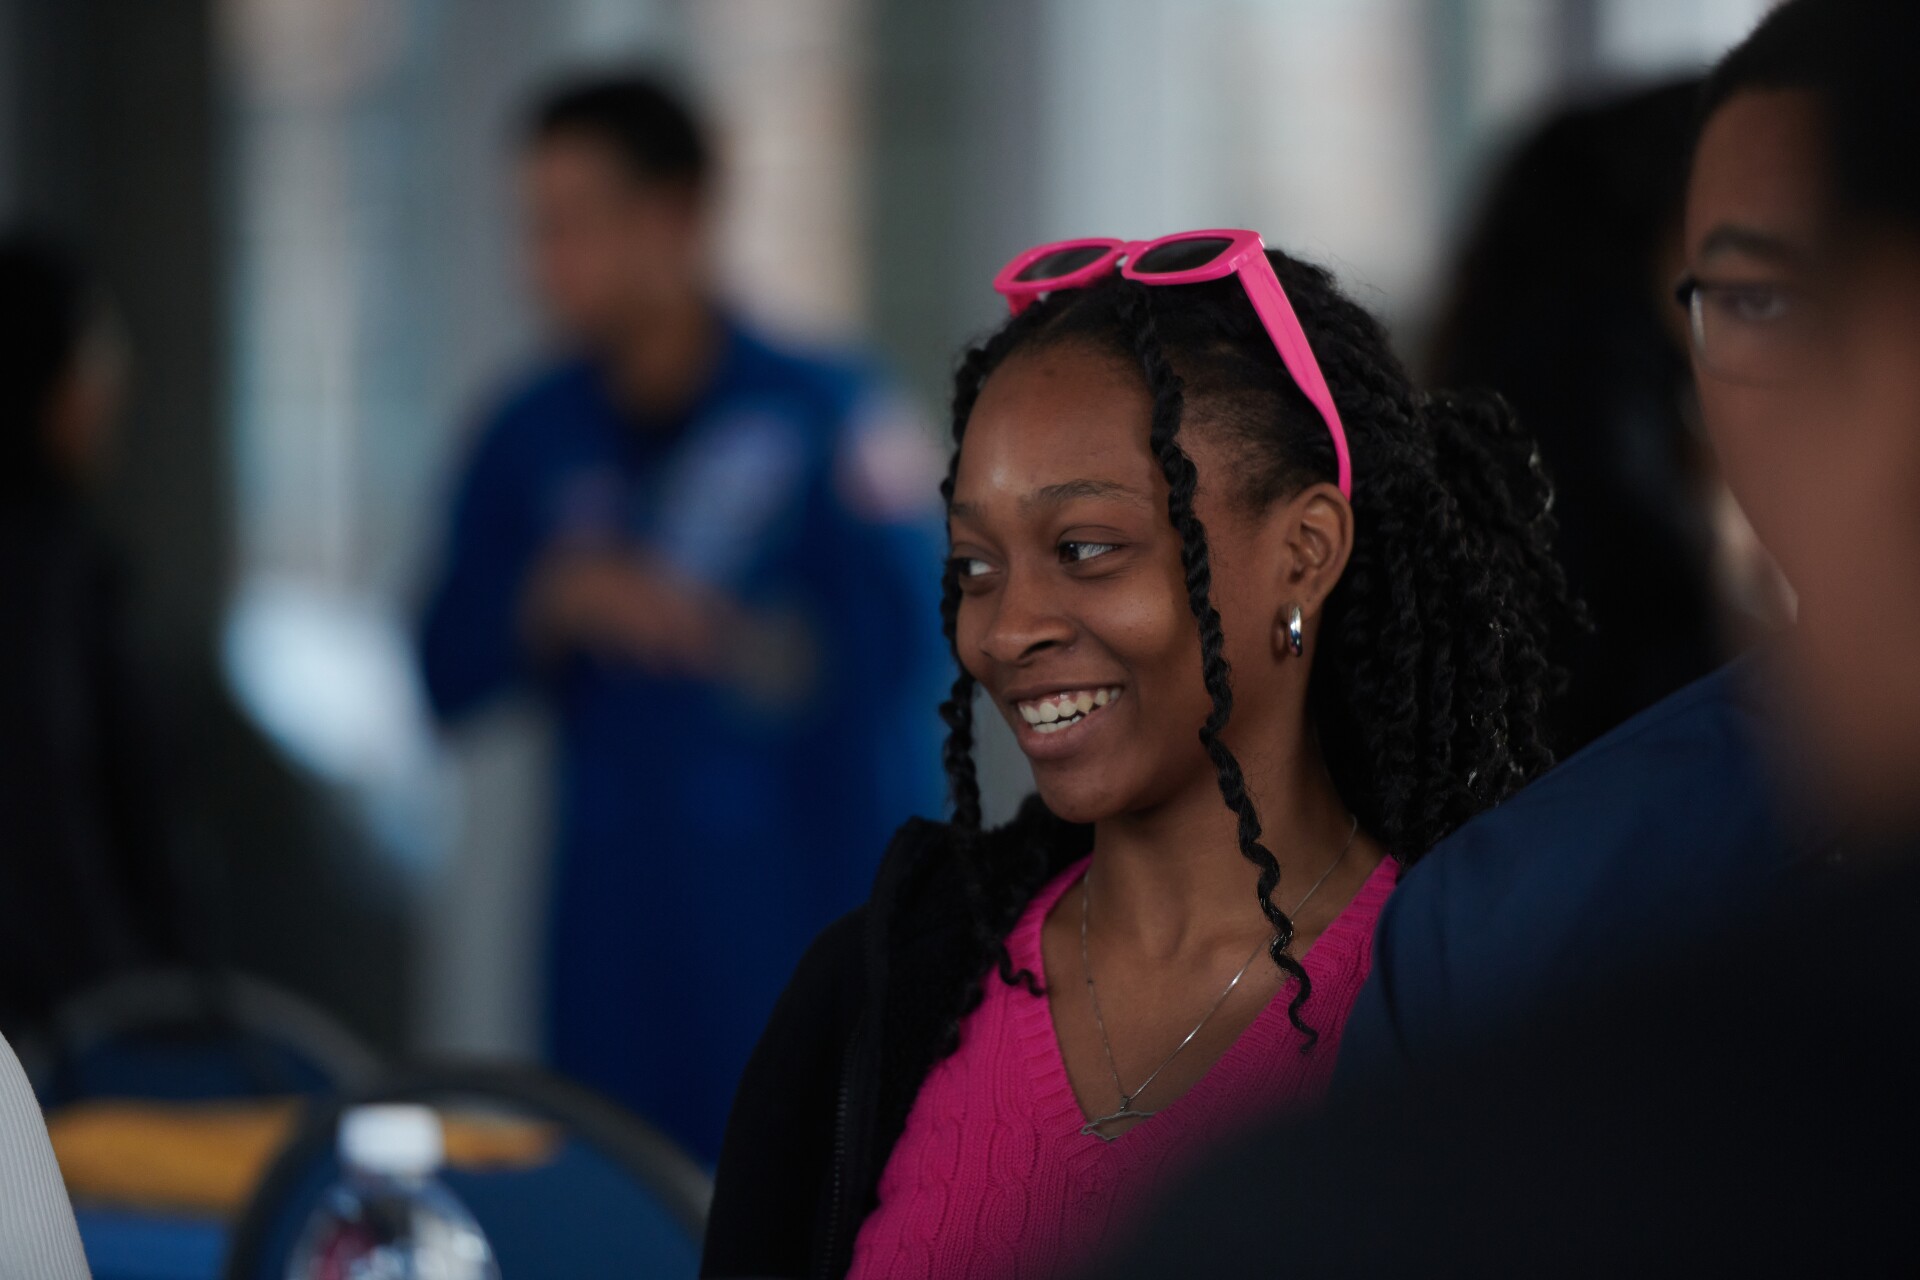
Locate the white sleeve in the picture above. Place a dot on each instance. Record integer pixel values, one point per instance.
(38, 1237)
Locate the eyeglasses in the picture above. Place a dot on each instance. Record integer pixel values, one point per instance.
(1755, 334)
(1190, 257)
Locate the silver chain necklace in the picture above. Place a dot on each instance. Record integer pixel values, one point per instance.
(1126, 1110)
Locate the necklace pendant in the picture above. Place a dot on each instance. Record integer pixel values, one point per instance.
(1096, 1127)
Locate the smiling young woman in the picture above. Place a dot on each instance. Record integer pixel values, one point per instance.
(1267, 623)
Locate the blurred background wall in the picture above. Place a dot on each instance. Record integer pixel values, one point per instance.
(305, 209)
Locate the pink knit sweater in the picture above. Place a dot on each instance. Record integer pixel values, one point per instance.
(992, 1177)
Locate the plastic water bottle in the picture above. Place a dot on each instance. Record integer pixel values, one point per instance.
(389, 1217)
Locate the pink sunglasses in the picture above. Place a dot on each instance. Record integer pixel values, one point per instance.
(1190, 257)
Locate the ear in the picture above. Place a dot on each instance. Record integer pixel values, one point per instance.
(1313, 534)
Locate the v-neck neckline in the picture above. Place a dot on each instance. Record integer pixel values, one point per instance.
(1057, 1105)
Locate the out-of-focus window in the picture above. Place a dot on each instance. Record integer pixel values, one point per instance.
(1668, 35)
(1302, 119)
(1347, 129)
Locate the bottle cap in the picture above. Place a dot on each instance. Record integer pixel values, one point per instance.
(396, 1139)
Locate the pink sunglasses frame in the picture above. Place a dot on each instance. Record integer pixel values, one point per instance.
(1245, 257)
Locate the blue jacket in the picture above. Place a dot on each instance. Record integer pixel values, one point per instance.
(707, 829)
(1674, 823)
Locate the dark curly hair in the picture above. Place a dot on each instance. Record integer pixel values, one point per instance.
(1428, 690)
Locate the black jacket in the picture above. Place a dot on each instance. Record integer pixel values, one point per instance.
(827, 1092)
(87, 883)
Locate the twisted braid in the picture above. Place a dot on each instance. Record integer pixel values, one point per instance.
(1135, 309)
(999, 881)
(963, 783)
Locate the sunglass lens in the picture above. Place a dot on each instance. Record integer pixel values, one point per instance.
(1061, 262)
(1180, 255)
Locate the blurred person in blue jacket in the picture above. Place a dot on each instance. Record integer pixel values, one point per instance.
(717, 561)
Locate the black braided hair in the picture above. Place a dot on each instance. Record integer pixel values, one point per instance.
(1169, 401)
(996, 893)
(1432, 674)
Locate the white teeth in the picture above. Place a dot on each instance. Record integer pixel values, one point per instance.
(1060, 710)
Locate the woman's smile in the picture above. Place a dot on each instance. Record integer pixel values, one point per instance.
(1054, 724)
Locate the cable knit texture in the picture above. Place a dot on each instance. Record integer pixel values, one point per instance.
(993, 1180)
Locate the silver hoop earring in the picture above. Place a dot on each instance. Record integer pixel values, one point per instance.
(1296, 641)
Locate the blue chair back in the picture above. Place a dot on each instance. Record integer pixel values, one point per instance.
(181, 1036)
(616, 1202)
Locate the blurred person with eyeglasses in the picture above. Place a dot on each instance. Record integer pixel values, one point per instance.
(1560, 300)
(1803, 299)
(715, 559)
(1738, 1101)
(1691, 813)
